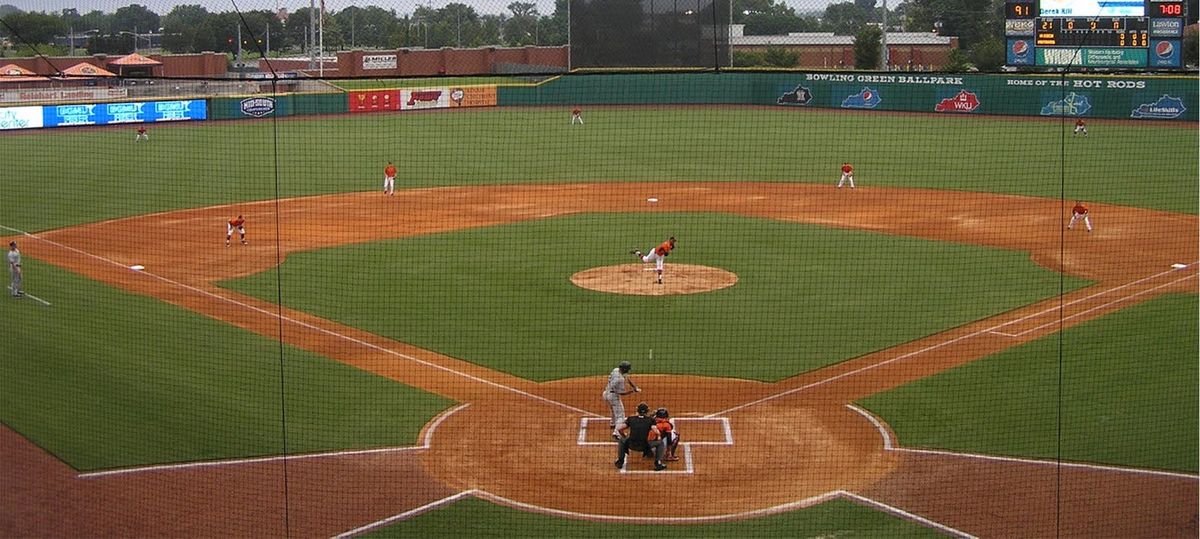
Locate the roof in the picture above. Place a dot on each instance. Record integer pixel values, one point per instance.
(134, 59)
(828, 38)
(16, 73)
(84, 69)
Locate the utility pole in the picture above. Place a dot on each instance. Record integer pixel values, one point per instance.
(321, 46)
(238, 62)
(883, 38)
(312, 34)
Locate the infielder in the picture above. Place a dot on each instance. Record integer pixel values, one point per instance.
(617, 380)
(657, 255)
(1080, 127)
(1080, 212)
(14, 269)
(389, 179)
(239, 224)
(847, 175)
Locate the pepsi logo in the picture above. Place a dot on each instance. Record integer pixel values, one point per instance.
(1020, 47)
(1164, 49)
(866, 95)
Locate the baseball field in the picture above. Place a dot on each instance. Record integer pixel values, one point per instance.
(930, 353)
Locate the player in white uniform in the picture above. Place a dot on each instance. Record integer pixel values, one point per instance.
(14, 268)
(617, 380)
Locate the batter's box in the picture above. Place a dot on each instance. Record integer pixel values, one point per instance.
(692, 431)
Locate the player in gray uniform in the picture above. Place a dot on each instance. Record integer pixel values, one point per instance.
(617, 380)
(14, 268)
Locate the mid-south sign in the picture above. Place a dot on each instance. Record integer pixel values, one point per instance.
(378, 61)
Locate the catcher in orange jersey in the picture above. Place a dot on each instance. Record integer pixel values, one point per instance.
(670, 434)
(239, 224)
(657, 255)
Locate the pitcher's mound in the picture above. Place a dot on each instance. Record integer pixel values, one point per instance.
(639, 279)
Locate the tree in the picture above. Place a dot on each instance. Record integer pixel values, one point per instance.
(110, 44)
(295, 29)
(971, 20)
(988, 55)
(135, 17)
(958, 62)
(99, 21)
(179, 28)
(1190, 48)
(522, 28)
(33, 27)
(777, 57)
(867, 48)
(846, 18)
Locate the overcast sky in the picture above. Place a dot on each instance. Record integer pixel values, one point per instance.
(161, 7)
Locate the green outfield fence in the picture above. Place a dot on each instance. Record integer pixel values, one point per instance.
(935, 347)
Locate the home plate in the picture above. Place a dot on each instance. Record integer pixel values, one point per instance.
(651, 200)
(1178, 266)
(137, 267)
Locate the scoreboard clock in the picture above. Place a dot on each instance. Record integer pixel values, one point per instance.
(1087, 33)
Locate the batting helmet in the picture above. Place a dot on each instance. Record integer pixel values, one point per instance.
(625, 366)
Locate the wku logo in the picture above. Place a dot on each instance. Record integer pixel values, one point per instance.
(424, 96)
(963, 102)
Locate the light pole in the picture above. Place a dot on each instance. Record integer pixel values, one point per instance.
(883, 39)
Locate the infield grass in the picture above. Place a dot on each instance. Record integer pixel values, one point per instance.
(1128, 394)
(807, 296)
(477, 518)
(209, 163)
(106, 379)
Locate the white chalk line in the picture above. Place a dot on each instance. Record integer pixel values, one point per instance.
(889, 446)
(1105, 305)
(689, 467)
(895, 511)
(407, 514)
(306, 325)
(929, 348)
(31, 296)
(428, 435)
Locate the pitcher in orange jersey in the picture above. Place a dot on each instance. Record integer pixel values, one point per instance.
(657, 255)
(389, 179)
(239, 224)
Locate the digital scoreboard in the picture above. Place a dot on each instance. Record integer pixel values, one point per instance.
(1130, 34)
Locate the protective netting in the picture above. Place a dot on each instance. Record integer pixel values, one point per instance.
(389, 289)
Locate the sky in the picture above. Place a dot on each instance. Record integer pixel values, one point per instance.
(161, 7)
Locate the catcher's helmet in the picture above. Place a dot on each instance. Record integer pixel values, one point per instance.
(624, 366)
(662, 412)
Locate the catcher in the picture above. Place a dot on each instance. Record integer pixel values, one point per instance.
(670, 434)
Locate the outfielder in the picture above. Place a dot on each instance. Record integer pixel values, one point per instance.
(1080, 212)
(1080, 127)
(657, 255)
(576, 114)
(141, 134)
(617, 380)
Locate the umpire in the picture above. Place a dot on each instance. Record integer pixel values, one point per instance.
(638, 439)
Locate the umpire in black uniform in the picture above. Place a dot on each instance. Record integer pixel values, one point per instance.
(639, 427)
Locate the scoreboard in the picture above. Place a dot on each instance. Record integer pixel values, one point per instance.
(1095, 33)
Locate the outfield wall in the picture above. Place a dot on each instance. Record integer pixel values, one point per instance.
(1149, 98)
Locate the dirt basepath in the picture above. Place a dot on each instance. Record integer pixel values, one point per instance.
(756, 448)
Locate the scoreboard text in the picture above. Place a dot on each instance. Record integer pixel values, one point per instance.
(1082, 33)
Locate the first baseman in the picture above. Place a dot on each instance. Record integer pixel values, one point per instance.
(657, 255)
(14, 269)
(617, 380)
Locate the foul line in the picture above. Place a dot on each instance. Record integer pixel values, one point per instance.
(895, 511)
(332, 333)
(407, 514)
(257, 460)
(1081, 313)
(888, 446)
(927, 349)
(31, 296)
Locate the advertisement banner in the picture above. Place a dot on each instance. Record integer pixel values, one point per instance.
(1166, 27)
(123, 113)
(1020, 52)
(20, 118)
(54, 95)
(473, 96)
(425, 98)
(378, 61)
(1091, 57)
(1165, 53)
(373, 100)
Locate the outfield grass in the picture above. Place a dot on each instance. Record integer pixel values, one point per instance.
(201, 164)
(105, 379)
(1128, 401)
(808, 296)
(476, 518)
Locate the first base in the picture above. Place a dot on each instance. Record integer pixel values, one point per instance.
(651, 200)
(137, 267)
